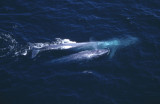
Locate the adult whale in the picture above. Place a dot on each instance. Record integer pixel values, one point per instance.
(66, 44)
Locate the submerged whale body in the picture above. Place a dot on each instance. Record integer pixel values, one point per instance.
(83, 55)
(66, 44)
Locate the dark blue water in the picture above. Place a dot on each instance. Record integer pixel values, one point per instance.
(131, 76)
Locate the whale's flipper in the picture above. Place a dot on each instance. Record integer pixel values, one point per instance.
(113, 51)
(35, 52)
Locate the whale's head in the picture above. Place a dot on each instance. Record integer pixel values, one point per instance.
(115, 44)
(107, 44)
(122, 42)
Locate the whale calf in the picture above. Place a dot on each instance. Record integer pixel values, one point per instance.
(83, 55)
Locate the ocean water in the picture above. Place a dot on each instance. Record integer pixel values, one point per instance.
(130, 76)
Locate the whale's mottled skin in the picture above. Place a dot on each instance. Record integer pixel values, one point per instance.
(82, 46)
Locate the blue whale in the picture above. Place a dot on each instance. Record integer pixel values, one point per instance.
(82, 55)
(66, 44)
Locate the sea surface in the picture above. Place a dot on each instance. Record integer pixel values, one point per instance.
(130, 76)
